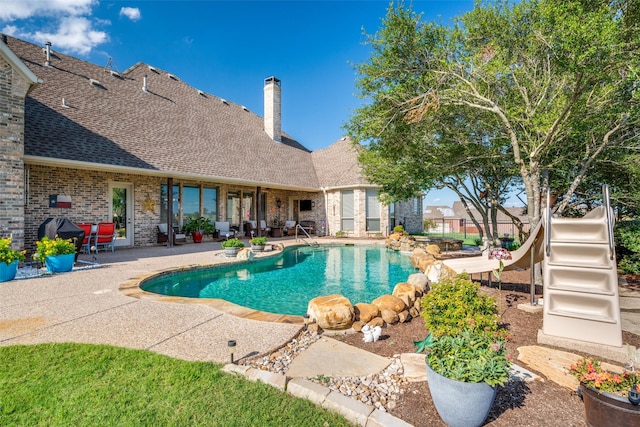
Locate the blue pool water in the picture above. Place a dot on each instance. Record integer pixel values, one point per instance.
(285, 284)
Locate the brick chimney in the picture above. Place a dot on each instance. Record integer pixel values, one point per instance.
(272, 108)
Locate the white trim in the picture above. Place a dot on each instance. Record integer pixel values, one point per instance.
(17, 64)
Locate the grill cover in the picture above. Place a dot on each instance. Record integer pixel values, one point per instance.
(63, 228)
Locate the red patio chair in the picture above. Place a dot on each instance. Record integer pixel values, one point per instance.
(106, 236)
(86, 243)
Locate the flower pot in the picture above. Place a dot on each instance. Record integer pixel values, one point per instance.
(257, 248)
(8, 271)
(60, 263)
(231, 252)
(458, 403)
(197, 237)
(605, 409)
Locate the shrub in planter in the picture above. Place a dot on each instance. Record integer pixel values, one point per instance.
(47, 247)
(9, 255)
(258, 241)
(233, 243)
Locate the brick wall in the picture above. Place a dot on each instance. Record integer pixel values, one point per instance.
(13, 90)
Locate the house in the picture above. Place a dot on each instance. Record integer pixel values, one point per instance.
(456, 219)
(142, 147)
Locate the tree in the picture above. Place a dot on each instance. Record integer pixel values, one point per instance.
(520, 89)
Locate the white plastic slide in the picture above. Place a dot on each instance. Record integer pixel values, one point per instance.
(520, 258)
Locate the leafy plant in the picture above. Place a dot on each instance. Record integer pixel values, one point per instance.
(456, 304)
(589, 372)
(627, 236)
(258, 241)
(398, 229)
(201, 224)
(233, 243)
(341, 233)
(470, 357)
(47, 247)
(9, 255)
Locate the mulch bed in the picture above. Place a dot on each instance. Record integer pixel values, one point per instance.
(517, 404)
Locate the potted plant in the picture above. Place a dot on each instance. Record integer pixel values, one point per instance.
(9, 259)
(466, 358)
(58, 255)
(257, 243)
(610, 399)
(198, 227)
(232, 247)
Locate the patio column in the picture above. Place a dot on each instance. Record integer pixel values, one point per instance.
(169, 212)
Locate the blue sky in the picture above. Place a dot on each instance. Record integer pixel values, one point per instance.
(228, 48)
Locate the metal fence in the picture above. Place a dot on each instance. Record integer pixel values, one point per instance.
(462, 228)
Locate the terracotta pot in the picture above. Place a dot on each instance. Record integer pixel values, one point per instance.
(605, 409)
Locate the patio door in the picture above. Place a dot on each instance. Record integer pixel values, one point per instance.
(121, 211)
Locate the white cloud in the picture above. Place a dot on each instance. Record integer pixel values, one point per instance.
(21, 9)
(132, 13)
(67, 24)
(74, 34)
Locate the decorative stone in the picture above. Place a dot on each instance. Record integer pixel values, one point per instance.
(331, 311)
(358, 325)
(365, 312)
(404, 289)
(433, 250)
(420, 281)
(389, 316)
(438, 271)
(389, 302)
(425, 262)
(406, 301)
(416, 255)
(404, 316)
(377, 321)
(414, 312)
(314, 328)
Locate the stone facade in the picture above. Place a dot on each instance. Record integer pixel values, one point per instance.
(334, 215)
(409, 213)
(13, 90)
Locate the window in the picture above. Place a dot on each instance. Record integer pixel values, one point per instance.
(175, 204)
(210, 203)
(348, 223)
(392, 215)
(190, 203)
(233, 208)
(373, 211)
(416, 206)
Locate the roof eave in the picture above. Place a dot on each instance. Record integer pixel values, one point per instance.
(76, 164)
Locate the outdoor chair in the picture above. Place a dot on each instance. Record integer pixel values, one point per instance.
(105, 236)
(308, 226)
(224, 229)
(178, 238)
(88, 236)
(290, 228)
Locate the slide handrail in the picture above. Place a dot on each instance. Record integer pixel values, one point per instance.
(547, 227)
(607, 205)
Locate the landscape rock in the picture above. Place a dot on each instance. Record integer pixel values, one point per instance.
(433, 250)
(245, 254)
(404, 289)
(358, 325)
(416, 255)
(389, 316)
(331, 311)
(420, 281)
(414, 312)
(365, 312)
(438, 271)
(389, 302)
(377, 321)
(425, 262)
(404, 316)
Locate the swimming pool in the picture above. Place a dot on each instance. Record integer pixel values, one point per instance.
(286, 283)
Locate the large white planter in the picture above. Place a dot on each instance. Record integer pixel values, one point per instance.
(458, 403)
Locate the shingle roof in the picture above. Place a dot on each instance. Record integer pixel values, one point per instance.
(173, 129)
(337, 165)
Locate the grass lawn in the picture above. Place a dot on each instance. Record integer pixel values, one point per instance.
(99, 385)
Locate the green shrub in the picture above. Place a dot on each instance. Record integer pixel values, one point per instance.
(470, 357)
(233, 243)
(398, 229)
(258, 241)
(627, 236)
(456, 304)
(341, 233)
(470, 242)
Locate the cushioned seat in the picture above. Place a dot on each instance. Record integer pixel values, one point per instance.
(178, 238)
